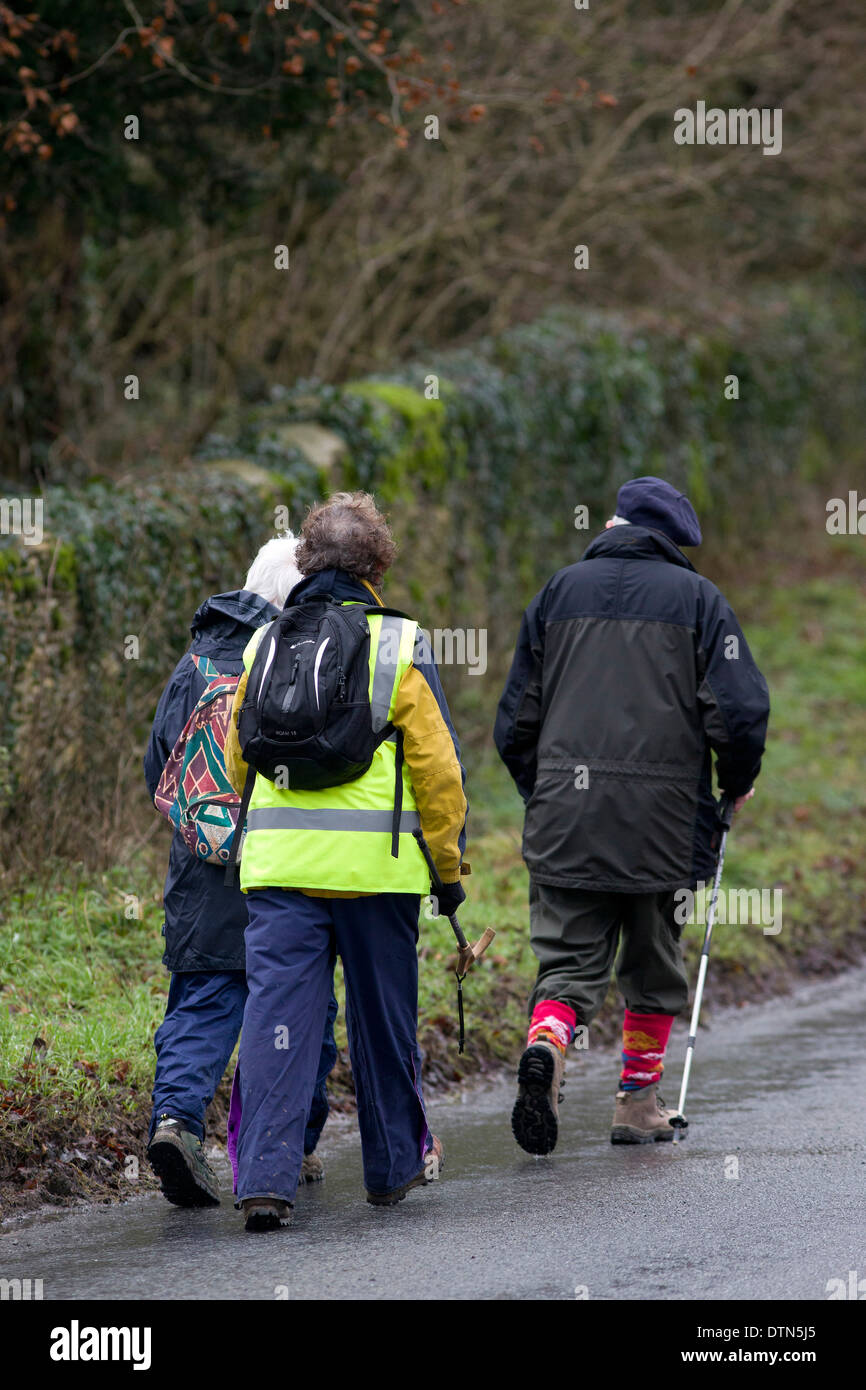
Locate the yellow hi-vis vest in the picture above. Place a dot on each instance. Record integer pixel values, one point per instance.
(340, 839)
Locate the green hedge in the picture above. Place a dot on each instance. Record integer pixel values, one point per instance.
(482, 484)
(117, 561)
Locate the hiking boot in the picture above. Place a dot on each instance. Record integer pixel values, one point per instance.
(312, 1169)
(535, 1117)
(641, 1117)
(434, 1162)
(266, 1213)
(177, 1157)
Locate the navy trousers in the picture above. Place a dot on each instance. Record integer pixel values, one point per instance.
(291, 943)
(196, 1039)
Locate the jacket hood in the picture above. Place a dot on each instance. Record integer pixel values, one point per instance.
(636, 543)
(225, 620)
(339, 583)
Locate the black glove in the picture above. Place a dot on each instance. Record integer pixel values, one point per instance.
(447, 898)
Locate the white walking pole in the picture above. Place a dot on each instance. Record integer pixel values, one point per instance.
(679, 1121)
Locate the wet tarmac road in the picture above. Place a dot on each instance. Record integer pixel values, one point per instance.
(765, 1199)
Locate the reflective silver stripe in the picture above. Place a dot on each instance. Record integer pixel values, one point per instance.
(387, 661)
(423, 653)
(292, 818)
(319, 654)
(267, 665)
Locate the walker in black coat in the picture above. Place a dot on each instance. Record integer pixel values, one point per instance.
(630, 671)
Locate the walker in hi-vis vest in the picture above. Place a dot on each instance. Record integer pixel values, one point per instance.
(333, 809)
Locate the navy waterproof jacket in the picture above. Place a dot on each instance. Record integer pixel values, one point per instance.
(204, 920)
(630, 672)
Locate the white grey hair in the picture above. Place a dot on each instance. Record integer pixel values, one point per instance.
(273, 573)
(619, 520)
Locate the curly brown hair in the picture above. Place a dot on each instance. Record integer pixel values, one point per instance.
(346, 532)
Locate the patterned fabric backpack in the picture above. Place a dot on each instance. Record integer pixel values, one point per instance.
(194, 791)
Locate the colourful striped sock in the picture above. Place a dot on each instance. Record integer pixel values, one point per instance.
(552, 1022)
(644, 1039)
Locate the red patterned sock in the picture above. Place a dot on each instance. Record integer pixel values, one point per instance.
(644, 1039)
(552, 1022)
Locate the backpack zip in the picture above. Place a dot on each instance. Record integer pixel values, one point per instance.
(290, 693)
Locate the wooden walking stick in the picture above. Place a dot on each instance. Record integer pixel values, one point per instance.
(467, 955)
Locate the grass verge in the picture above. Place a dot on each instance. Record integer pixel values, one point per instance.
(82, 990)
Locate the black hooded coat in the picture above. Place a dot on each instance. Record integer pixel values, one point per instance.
(630, 671)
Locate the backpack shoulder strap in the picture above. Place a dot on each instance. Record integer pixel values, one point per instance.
(246, 797)
(381, 612)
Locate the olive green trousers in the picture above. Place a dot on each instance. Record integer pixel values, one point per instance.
(575, 936)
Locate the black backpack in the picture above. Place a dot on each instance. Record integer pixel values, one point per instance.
(306, 718)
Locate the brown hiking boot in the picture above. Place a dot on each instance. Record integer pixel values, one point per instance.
(434, 1162)
(266, 1213)
(535, 1117)
(641, 1117)
(312, 1169)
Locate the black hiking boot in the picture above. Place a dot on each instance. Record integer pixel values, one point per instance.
(535, 1117)
(177, 1158)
